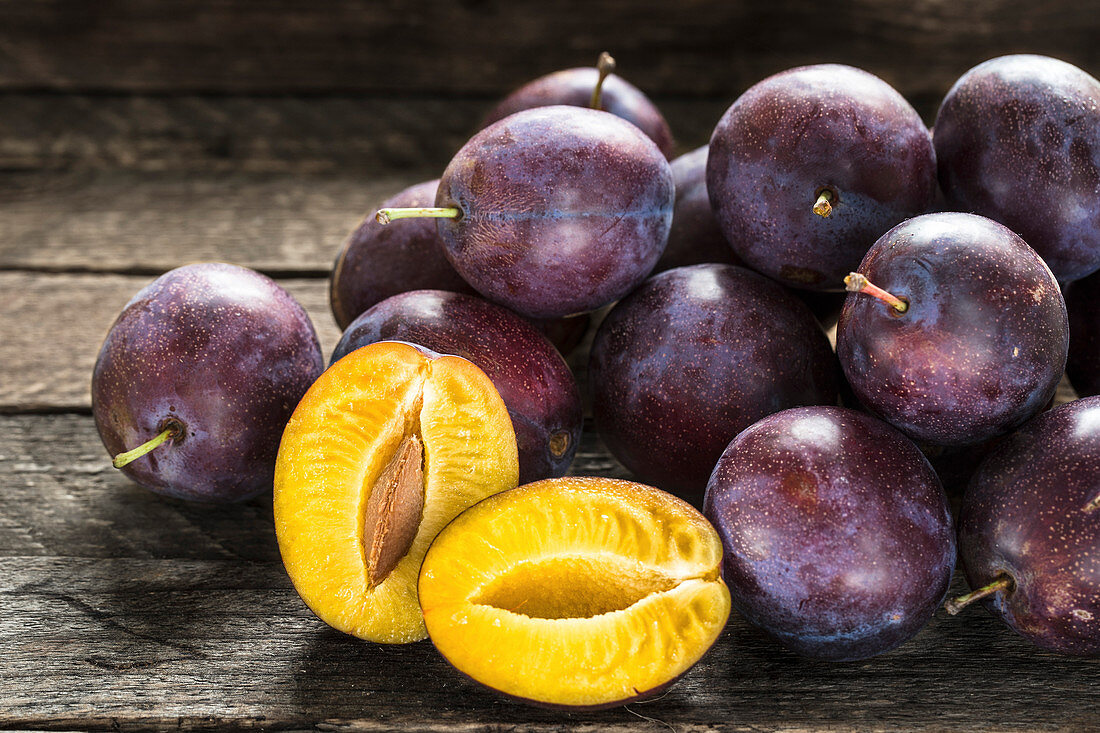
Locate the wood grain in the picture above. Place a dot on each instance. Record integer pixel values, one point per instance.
(140, 222)
(486, 47)
(356, 137)
(51, 328)
(123, 609)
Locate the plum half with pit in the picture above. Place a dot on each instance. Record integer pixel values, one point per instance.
(534, 381)
(811, 165)
(554, 211)
(837, 535)
(376, 261)
(967, 336)
(596, 87)
(1018, 140)
(211, 360)
(694, 356)
(1029, 530)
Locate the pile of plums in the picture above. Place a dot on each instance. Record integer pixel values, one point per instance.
(710, 374)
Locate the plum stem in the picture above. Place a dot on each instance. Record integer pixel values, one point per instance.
(385, 216)
(1001, 583)
(123, 459)
(1094, 504)
(856, 283)
(605, 65)
(824, 205)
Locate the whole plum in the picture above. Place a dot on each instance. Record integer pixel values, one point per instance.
(694, 356)
(1029, 530)
(557, 210)
(216, 356)
(981, 343)
(837, 536)
(377, 261)
(533, 380)
(695, 237)
(1018, 140)
(811, 165)
(575, 87)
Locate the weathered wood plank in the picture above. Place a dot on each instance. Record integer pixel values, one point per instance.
(125, 610)
(119, 221)
(51, 328)
(356, 137)
(701, 47)
(61, 499)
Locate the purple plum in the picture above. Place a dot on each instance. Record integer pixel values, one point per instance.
(556, 210)
(216, 357)
(837, 536)
(810, 166)
(1018, 140)
(694, 356)
(575, 86)
(981, 344)
(1029, 530)
(377, 261)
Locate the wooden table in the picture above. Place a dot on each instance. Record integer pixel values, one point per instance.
(121, 609)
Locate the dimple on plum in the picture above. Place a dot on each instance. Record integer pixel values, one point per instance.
(215, 358)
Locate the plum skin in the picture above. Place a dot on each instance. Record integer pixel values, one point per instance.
(533, 379)
(1026, 514)
(1018, 140)
(574, 87)
(224, 353)
(692, 357)
(802, 131)
(838, 538)
(695, 237)
(983, 344)
(562, 210)
(378, 261)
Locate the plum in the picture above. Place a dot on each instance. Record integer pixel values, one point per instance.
(1018, 140)
(376, 262)
(809, 166)
(979, 342)
(1029, 530)
(1083, 362)
(577, 87)
(837, 536)
(692, 357)
(554, 211)
(213, 358)
(539, 390)
(695, 237)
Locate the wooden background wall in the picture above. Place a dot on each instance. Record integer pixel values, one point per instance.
(361, 84)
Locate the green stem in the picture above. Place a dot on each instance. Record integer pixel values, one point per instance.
(856, 283)
(130, 456)
(1002, 583)
(824, 204)
(605, 65)
(385, 216)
